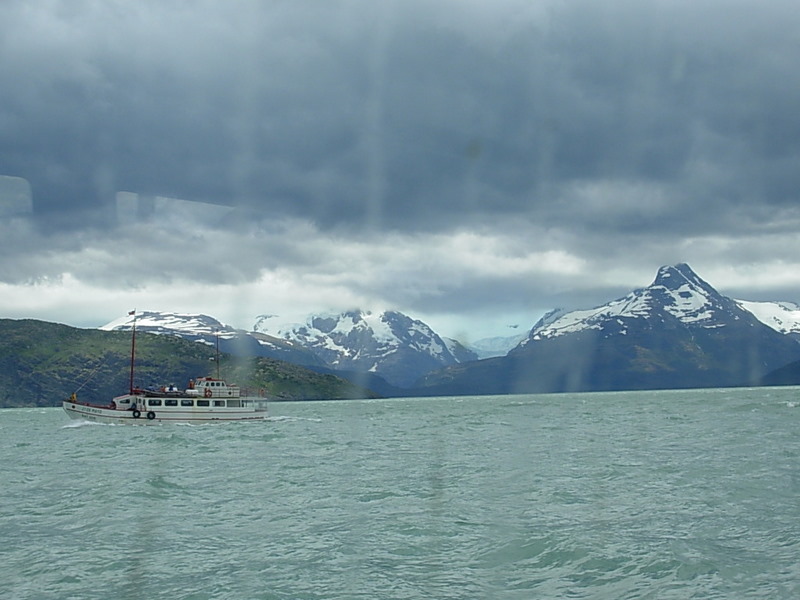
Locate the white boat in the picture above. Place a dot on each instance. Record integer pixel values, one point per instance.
(204, 400)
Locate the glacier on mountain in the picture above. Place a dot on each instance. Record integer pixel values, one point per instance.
(781, 316)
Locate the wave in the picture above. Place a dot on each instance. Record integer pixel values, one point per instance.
(75, 424)
(280, 419)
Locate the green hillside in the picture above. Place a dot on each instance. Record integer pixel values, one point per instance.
(42, 363)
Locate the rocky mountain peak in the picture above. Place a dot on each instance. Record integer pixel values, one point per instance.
(684, 295)
(679, 276)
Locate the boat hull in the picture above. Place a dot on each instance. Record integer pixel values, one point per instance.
(166, 414)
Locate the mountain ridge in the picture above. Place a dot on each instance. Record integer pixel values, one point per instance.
(210, 331)
(677, 332)
(394, 353)
(387, 351)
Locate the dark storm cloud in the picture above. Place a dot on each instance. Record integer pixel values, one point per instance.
(405, 115)
(454, 157)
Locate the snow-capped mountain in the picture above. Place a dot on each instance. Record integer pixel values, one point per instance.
(677, 292)
(390, 344)
(200, 328)
(682, 294)
(208, 330)
(781, 316)
(678, 332)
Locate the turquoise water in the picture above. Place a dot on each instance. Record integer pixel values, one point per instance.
(689, 494)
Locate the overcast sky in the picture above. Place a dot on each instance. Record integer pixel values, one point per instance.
(471, 163)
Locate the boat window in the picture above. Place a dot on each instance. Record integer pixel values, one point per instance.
(187, 402)
(202, 403)
(154, 402)
(219, 402)
(170, 402)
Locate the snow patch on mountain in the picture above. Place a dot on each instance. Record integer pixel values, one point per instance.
(208, 330)
(199, 327)
(341, 333)
(687, 297)
(388, 343)
(781, 316)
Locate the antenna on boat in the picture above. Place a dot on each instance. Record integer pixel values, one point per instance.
(217, 359)
(133, 346)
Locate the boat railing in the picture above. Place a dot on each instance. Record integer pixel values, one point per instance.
(258, 393)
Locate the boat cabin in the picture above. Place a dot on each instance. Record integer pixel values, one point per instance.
(208, 387)
(199, 402)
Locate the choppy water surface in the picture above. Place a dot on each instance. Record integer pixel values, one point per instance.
(690, 494)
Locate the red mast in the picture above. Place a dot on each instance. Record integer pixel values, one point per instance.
(133, 346)
(217, 333)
